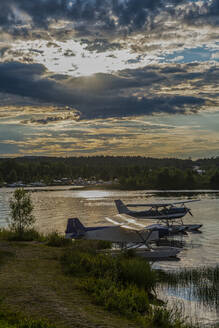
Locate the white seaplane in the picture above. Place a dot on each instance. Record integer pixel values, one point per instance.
(124, 236)
(163, 212)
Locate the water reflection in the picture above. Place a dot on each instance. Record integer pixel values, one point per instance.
(93, 194)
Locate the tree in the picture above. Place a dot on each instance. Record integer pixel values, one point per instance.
(21, 206)
(215, 179)
(12, 177)
(1, 180)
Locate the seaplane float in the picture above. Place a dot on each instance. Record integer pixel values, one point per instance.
(165, 213)
(125, 237)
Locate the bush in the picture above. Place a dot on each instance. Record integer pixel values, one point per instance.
(97, 265)
(56, 240)
(120, 284)
(137, 271)
(129, 300)
(121, 269)
(91, 246)
(28, 235)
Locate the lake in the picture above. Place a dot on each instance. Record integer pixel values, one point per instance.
(54, 205)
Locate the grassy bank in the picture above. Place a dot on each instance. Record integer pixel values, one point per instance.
(32, 282)
(60, 284)
(124, 285)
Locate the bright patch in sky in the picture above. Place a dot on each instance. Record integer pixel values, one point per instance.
(73, 59)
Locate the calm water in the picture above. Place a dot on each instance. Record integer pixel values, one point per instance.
(53, 206)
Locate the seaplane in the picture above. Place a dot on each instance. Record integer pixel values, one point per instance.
(165, 213)
(124, 236)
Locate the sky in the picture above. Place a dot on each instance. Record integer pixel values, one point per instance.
(109, 77)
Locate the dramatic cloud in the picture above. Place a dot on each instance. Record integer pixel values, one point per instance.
(127, 93)
(118, 16)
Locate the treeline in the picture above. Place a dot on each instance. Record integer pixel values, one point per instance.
(130, 172)
(171, 178)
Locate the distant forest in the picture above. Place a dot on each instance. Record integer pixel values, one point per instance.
(129, 172)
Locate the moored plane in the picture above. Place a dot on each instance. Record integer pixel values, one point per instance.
(165, 212)
(124, 236)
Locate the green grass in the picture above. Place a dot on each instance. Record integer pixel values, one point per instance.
(9, 319)
(28, 235)
(32, 282)
(4, 255)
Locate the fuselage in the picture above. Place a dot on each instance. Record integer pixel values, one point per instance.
(172, 213)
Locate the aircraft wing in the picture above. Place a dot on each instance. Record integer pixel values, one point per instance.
(151, 232)
(163, 204)
(122, 234)
(126, 222)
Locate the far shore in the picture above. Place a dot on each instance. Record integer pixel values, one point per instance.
(113, 187)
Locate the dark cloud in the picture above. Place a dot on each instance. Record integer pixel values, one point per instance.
(27, 80)
(69, 53)
(127, 93)
(53, 119)
(119, 16)
(102, 24)
(52, 44)
(198, 14)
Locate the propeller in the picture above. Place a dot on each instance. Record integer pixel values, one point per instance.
(190, 212)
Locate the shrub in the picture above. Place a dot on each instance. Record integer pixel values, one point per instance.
(27, 235)
(137, 271)
(56, 240)
(121, 269)
(97, 265)
(91, 246)
(120, 284)
(129, 300)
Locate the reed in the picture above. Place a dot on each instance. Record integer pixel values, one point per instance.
(203, 283)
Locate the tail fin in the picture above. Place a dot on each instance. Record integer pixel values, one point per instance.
(122, 209)
(75, 229)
